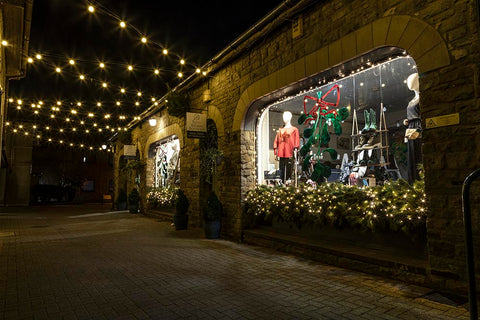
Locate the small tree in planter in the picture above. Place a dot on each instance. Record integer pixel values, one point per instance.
(122, 200)
(180, 218)
(211, 215)
(133, 200)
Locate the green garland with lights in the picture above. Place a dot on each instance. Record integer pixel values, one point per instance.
(162, 197)
(394, 206)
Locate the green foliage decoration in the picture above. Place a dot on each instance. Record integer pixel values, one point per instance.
(181, 203)
(395, 206)
(162, 197)
(214, 209)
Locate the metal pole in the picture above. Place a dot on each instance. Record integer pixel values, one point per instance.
(467, 221)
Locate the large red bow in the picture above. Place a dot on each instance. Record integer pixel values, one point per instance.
(321, 104)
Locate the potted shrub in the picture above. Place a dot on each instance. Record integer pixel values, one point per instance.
(122, 200)
(180, 218)
(133, 200)
(211, 215)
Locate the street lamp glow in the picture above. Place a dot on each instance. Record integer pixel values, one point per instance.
(4, 43)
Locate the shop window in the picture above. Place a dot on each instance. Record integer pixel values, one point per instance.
(166, 166)
(366, 148)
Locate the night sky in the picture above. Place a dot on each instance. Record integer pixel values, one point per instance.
(64, 29)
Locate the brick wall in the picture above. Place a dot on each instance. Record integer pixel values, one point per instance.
(449, 86)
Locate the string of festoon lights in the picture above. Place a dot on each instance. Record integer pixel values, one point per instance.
(52, 140)
(79, 128)
(51, 107)
(94, 7)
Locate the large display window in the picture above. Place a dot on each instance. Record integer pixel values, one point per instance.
(353, 129)
(166, 171)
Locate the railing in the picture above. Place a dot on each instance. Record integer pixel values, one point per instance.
(467, 221)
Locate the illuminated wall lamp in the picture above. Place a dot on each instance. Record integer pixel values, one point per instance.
(152, 122)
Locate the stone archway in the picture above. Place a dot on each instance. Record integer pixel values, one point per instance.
(418, 38)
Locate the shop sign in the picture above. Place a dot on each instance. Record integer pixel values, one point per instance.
(297, 27)
(129, 150)
(443, 121)
(196, 125)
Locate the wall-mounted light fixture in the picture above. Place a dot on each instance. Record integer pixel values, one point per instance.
(152, 122)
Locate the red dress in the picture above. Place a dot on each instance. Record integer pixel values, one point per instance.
(286, 140)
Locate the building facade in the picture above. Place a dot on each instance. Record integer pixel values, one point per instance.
(304, 45)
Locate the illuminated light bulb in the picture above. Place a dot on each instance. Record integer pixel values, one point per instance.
(36, 111)
(49, 139)
(361, 84)
(100, 130)
(4, 43)
(94, 124)
(19, 101)
(156, 71)
(74, 129)
(38, 136)
(144, 40)
(107, 127)
(122, 90)
(137, 103)
(99, 104)
(165, 51)
(15, 130)
(90, 115)
(79, 104)
(104, 84)
(122, 24)
(102, 65)
(71, 144)
(113, 130)
(153, 99)
(91, 148)
(73, 111)
(107, 116)
(20, 126)
(118, 103)
(33, 105)
(156, 103)
(91, 9)
(38, 56)
(7, 123)
(67, 119)
(180, 75)
(87, 131)
(198, 70)
(71, 61)
(30, 60)
(130, 67)
(139, 93)
(204, 73)
(40, 102)
(61, 130)
(10, 100)
(47, 128)
(125, 129)
(58, 70)
(59, 103)
(52, 116)
(81, 146)
(82, 77)
(182, 62)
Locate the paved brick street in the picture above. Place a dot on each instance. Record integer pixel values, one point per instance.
(70, 262)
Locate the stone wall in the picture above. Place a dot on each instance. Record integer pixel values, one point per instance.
(442, 36)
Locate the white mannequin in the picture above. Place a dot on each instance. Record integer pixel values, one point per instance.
(412, 84)
(287, 117)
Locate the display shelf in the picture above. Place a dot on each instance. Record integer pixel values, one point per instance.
(382, 148)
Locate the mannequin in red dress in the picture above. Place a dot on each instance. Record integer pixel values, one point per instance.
(286, 142)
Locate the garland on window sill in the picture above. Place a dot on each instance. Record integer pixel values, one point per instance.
(394, 206)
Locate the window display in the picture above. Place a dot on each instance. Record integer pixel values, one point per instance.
(350, 130)
(167, 163)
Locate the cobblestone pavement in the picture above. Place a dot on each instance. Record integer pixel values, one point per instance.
(70, 262)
